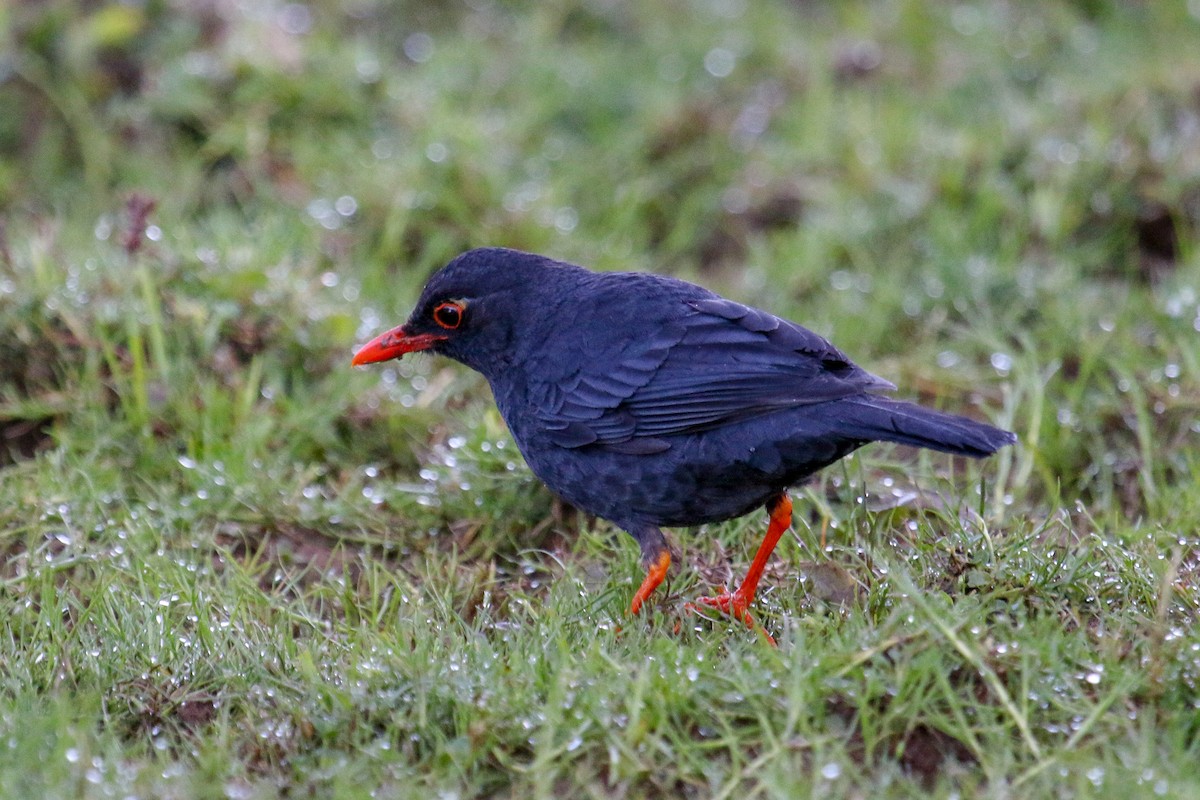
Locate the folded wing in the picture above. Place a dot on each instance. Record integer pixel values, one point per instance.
(716, 363)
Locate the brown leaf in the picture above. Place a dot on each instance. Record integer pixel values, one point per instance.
(831, 582)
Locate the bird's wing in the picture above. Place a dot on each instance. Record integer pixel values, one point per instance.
(718, 362)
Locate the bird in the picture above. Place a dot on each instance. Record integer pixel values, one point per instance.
(652, 402)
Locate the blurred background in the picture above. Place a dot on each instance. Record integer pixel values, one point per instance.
(953, 192)
(239, 192)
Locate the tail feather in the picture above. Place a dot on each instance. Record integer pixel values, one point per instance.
(883, 419)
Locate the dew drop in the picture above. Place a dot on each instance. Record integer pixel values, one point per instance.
(719, 62)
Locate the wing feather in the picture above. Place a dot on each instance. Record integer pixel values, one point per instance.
(721, 362)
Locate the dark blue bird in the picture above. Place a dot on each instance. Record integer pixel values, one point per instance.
(652, 402)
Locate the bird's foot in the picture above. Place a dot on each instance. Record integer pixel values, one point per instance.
(734, 604)
(656, 571)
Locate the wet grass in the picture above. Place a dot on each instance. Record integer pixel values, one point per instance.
(234, 567)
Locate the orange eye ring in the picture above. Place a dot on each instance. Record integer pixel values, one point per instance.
(449, 315)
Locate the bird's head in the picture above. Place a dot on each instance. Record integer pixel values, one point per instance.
(473, 309)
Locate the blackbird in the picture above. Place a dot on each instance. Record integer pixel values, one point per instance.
(652, 402)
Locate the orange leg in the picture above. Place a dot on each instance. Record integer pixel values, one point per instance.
(738, 603)
(655, 572)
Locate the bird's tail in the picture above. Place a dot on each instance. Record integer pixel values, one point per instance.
(883, 419)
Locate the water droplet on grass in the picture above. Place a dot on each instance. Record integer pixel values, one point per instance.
(418, 47)
(719, 62)
(295, 18)
(565, 219)
(841, 280)
(948, 359)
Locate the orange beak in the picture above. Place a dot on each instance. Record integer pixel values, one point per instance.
(394, 344)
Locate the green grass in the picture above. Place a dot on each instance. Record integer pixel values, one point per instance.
(234, 567)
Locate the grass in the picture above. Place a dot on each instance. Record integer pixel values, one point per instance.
(233, 567)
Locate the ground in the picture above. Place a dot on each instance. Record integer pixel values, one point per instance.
(233, 566)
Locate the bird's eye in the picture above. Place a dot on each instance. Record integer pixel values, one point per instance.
(448, 315)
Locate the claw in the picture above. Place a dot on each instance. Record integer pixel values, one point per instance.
(733, 604)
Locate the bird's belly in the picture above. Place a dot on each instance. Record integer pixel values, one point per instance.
(701, 478)
(657, 489)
